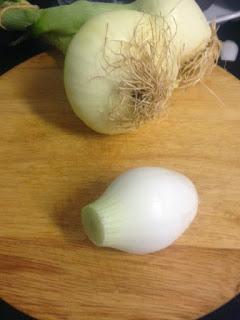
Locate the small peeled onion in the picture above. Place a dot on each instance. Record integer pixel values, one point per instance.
(142, 211)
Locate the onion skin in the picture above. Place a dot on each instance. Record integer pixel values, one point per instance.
(95, 71)
(188, 23)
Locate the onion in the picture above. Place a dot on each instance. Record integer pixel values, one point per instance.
(192, 31)
(142, 211)
(119, 75)
(194, 37)
(197, 40)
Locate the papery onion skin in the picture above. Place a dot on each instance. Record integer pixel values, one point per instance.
(118, 78)
(188, 23)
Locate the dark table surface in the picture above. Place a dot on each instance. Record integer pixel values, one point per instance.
(230, 311)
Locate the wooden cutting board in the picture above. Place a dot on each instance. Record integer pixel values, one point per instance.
(51, 165)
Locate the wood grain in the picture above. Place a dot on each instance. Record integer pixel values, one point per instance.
(51, 165)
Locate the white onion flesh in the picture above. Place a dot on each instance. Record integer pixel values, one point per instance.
(142, 211)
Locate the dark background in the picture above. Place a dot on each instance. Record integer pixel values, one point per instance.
(231, 311)
(11, 55)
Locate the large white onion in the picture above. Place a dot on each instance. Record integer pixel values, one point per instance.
(188, 23)
(120, 69)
